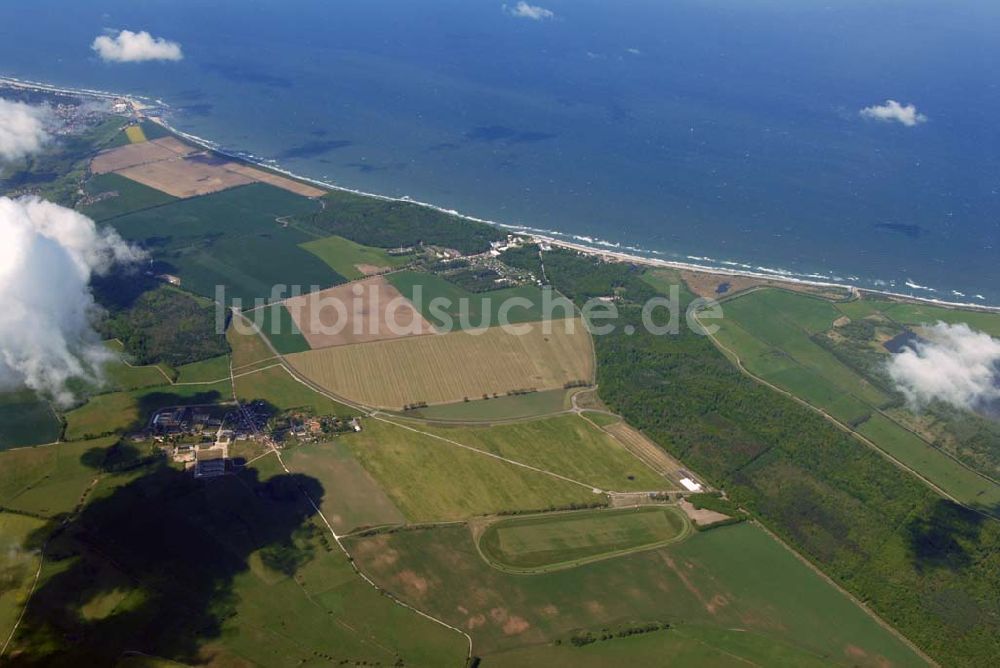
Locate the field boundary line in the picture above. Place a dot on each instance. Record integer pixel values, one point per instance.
(873, 407)
(686, 532)
(854, 599)
(732, 356)
(27, 600)
(41, 561)
(593, 488)
(337, 539)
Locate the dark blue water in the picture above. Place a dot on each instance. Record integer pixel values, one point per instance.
(713, 129)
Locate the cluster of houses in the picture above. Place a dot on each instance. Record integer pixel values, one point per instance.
(200, 437)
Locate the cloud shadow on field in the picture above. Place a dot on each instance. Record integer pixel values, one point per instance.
(940, 539)
(167, 547)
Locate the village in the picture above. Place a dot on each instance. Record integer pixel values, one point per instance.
(202, 437)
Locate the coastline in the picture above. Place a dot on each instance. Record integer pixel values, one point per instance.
(598, 248)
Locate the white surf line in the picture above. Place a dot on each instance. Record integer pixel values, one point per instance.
(601, 248)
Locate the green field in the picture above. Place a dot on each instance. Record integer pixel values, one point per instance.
(277, 387)
(726, 579)
(431, 480)
(913, 314)
(465, 310)
(49, 480)
(548, 542)
(117, 412)
(26, 419)
(132, 196)
(223, 239)
(210, 370)
(394, 223)
(685, 645)
(277, 324)
(920, 314)
(501, 408)
(772, 332)
(240, 570)
(565, 444)
(121, 376)
(358, 500)
(246, 346)
(18, 564)
(343, 256)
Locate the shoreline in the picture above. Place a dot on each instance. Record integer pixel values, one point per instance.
(600, 248)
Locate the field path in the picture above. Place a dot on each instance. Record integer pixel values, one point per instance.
(735, 358)
(337, 537)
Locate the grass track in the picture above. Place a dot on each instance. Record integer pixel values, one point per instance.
(728, 578)
(543, 543)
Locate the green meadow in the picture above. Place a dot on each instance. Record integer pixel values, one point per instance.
(541, 543)
(773, 332)
(565, 444)
(241, 570)
(458, 308)
(344, 256)
(26, 419)
(727, 579)
(132, 196)
(512, 407)
(431, 480)
(231, 238)
(278, 326)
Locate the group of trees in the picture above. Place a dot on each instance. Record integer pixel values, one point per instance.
(159, 323)
(928, 566)
(394, 224)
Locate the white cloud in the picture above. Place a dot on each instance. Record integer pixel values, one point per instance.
(956, 365)
(523, 10)
(47, 258)
(22, 129)
(134, 47)
(894, 111)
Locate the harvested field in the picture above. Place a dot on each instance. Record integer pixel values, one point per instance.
(645, 450)
(171, 166)
(135, 134)
(360, 312)
(276, 180)
(450, 367)
(185, 177)
(143, 153)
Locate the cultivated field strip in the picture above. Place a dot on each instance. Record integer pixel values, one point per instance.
(645, 450)
(450, 367)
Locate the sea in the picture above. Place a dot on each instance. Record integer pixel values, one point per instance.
(724, 133)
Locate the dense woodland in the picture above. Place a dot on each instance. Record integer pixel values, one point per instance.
(158, 323)
(395, 224)
(928, 566)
